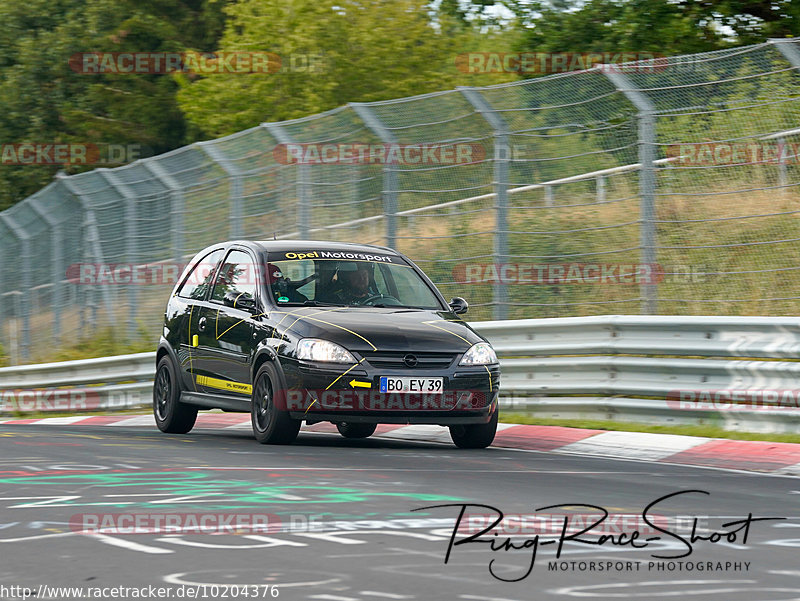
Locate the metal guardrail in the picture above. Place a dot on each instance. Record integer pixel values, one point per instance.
(737, 372)
(109, 383)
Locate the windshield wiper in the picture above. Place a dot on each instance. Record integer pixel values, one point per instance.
(311, 303)
(385, 306)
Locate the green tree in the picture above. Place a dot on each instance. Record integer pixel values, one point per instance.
(755, 21)
(653, 26)
(43, 100)
(668, 28)
(363, 50)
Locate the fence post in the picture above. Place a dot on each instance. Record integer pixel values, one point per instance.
(302, 181)
(386, 136)
(176, 195)
(93, 238)
(502, 157)
(788, 48)
(235, 175)
(647, 177)
(25, 310)
(58, 270)
(600, 188)
(3, 293)
(131, 235)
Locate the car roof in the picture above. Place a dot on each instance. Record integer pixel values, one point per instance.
(305, 245)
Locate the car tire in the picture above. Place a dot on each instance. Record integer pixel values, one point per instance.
(271, 425)
(349, 430)
(474, 436)
(171, 415)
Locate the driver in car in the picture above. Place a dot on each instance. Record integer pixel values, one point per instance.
(355, 284)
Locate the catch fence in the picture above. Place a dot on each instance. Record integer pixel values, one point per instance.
(666, 186)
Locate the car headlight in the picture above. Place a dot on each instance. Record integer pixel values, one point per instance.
(479, 354)
(314, 349)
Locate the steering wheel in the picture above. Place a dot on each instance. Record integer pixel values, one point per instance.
(370, 300)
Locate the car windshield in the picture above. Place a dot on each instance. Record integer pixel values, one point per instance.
(349, 282)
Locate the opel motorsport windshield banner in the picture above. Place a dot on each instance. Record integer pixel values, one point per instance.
(299, 255)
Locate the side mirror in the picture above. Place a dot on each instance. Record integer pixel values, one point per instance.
(240, 300)
(459, 305)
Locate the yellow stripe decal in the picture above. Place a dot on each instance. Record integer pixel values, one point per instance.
(374, 348)
(224, 384)
(191, 343)
(428, 323)
(314, 313)
(344, 373)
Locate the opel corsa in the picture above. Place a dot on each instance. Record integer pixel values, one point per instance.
(294, 331)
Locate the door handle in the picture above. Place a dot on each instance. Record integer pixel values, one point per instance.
(201, 325)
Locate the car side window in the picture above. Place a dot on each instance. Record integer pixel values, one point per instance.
(237, 275)
(199, 279)
(410, 289)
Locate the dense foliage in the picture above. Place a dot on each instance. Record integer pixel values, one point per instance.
(361, 50)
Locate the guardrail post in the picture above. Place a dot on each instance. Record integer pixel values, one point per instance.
(303, 182)
(647, 177)
(235, 175)
(502, 157)
(25, 268)
(131, 235)
(92, 239)
(176, 197)
(386, 136)
(58, 270)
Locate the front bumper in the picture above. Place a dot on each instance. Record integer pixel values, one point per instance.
(352, 394)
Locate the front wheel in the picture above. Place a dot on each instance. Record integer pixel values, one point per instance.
(356, 430)
(171, 415)
(271, 425)
(475, 436)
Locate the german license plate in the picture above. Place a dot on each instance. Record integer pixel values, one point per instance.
(406, 384)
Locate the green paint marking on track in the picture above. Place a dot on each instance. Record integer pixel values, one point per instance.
(235, 494)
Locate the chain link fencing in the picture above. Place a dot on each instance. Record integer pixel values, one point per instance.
(667, 186)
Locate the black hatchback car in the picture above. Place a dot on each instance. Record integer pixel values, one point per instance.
(294, 331)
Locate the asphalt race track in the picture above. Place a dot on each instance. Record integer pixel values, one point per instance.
(341, 525)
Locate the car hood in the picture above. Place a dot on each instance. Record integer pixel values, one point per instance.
(364, 329)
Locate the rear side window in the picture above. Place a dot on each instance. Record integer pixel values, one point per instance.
(200, 277)
(237, 275)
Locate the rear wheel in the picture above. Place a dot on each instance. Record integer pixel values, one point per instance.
(271, 425)
(474, 436)
(349, 430)
(171, 415)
